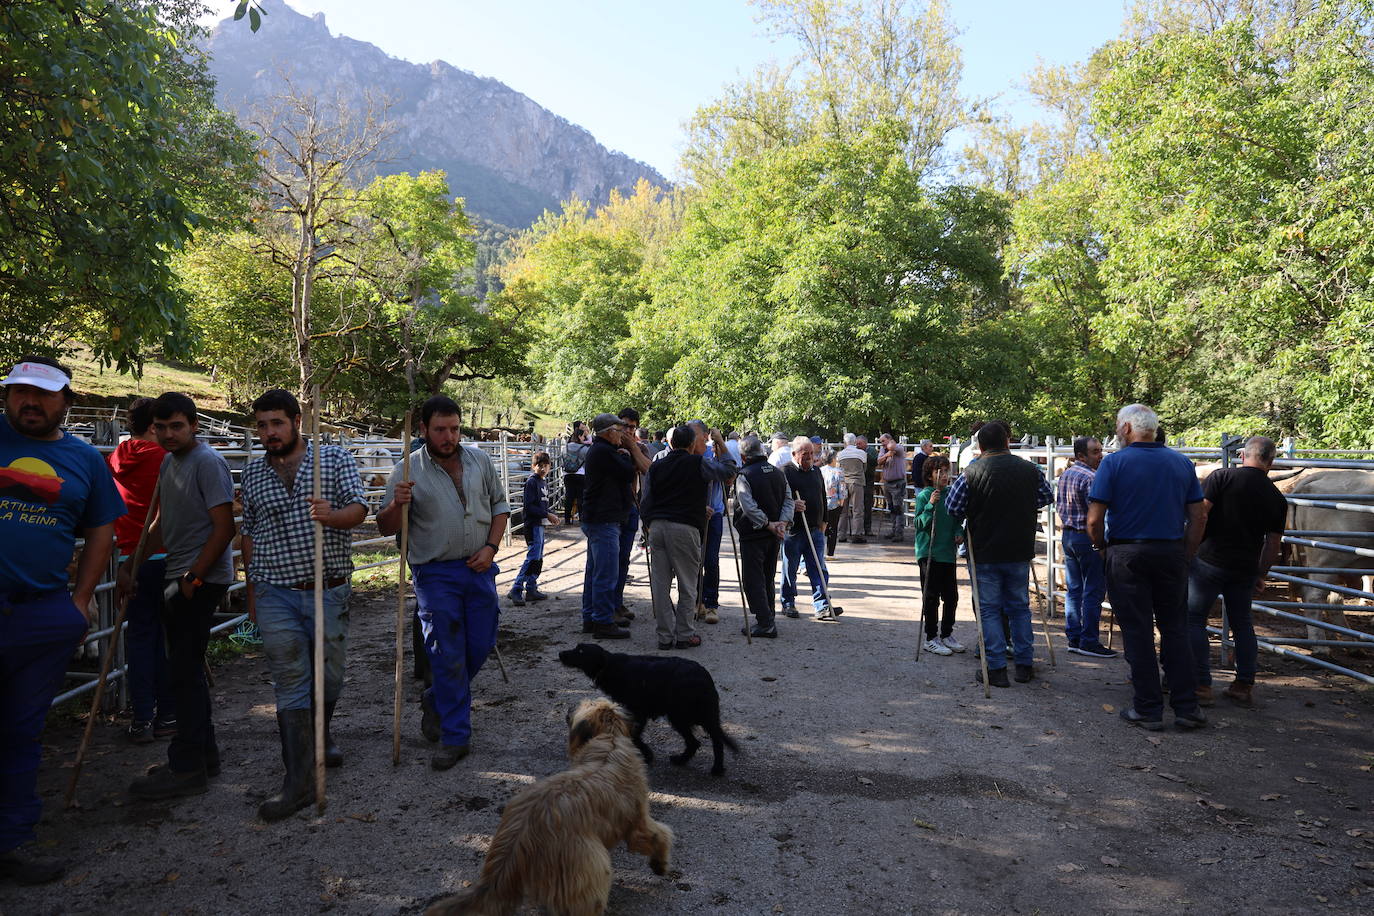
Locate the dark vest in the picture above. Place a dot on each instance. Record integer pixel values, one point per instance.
(677, 492)
(1001, 508)
(769, 487)
(810, 486)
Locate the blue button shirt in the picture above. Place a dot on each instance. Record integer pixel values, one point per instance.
(1147, 488)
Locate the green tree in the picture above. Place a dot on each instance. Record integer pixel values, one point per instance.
(110, 154)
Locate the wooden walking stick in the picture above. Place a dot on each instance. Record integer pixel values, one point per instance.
(977, 612)
(1044, 618)
(121, 608)
(820, 570)
(319, 607)
(739, 579)
(401, 601)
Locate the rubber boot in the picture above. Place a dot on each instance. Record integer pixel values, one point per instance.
(297, 732)
(333, 757)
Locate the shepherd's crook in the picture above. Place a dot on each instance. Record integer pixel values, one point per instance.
(319, 609)
(1044, 618)
(121, 608)
(977, 613)
(401, 601)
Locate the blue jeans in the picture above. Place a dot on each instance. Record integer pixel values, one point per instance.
(710, 589)
(150, 679)
(1087, 584)
(794, 551)
(37, 635)
(458, 616)
(1004, 589)
(528, 577)
(629, 530)
(1205, 582)
(603, 571)
(286, 619)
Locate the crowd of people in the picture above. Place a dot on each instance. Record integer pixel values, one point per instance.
(1137, 527)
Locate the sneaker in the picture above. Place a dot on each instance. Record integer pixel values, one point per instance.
(609, 631)
(162, 782)
(790, 610)
(429, 719)
(140, 732)
(1135, 718)
(18, 866)
(935, 647)
(1073, 645)
(1024, 674)
(1093, 650)
(758, 632)
(997, 677)
(516, 598)
(1205, 696)
(534, 594)
(165, 728)
(1190, 722)
(712, 615)
(836, 610)
(825, 615)
(447, 755)
(952, 644)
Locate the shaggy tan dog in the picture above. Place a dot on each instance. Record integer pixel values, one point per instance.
(551, 848)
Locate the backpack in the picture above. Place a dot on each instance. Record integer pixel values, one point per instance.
(574, 456)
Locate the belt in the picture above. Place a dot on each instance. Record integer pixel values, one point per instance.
(310, 586)
(1072, 528)
(21, 596)
(1112, 542)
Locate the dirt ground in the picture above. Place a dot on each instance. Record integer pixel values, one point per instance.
(868, 782)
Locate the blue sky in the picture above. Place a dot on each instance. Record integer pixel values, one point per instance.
(633, 72)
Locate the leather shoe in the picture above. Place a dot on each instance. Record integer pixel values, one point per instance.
(447, 755)
(1189, 723)
(1135, 718)
(609, 631)
(997, 677)
(1023, 674)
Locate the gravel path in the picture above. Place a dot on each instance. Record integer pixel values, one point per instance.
(868, 782)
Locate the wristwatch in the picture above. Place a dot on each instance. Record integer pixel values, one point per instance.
(192, 579)
(494, 549)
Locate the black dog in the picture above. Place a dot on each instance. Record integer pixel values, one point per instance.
(649, 687)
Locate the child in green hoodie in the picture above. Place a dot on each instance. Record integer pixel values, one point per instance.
(937, 538)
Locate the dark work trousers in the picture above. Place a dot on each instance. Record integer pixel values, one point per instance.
(1148, 587)
(939, 581)
(38, 631)
(150, 681)
(186, 623)
(629, 532)
(572, 496)
(759, 567)
(832, 529)
(870, 491)
(710, 562)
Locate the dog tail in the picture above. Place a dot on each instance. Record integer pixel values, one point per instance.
(473, 901)
(725, 739)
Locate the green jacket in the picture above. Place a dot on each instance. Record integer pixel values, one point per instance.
(946, 528)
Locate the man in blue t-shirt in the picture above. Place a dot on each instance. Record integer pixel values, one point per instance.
(1145, 513)
(52, 485)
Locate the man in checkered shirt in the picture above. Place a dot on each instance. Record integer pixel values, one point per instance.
(1083, 572)
(278, 531)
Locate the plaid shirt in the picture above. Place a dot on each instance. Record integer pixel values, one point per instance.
(956, 501)
(279, 522)
(1071, 502)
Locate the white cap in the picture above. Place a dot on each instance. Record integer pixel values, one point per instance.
(38, 375)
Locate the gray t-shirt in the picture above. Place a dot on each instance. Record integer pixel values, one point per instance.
(192, 485)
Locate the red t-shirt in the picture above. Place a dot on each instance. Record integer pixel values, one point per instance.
(135, 465)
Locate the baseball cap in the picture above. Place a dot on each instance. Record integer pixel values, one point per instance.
(604, 421)
(38, 375)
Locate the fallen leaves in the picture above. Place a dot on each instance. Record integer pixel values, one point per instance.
(924, 825)
(1110, 862)
(1272, 796)
(1068, 867)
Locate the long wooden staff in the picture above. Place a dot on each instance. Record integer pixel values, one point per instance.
(401, 601)
(121, 607)
(978, 612)
(319, 610)
(739, 577)
(1040, 603)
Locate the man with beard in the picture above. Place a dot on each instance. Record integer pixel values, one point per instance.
(763, 508)
(51, 484)
(458, 512)
(194, 525)
(805, 483)
(279, 516)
